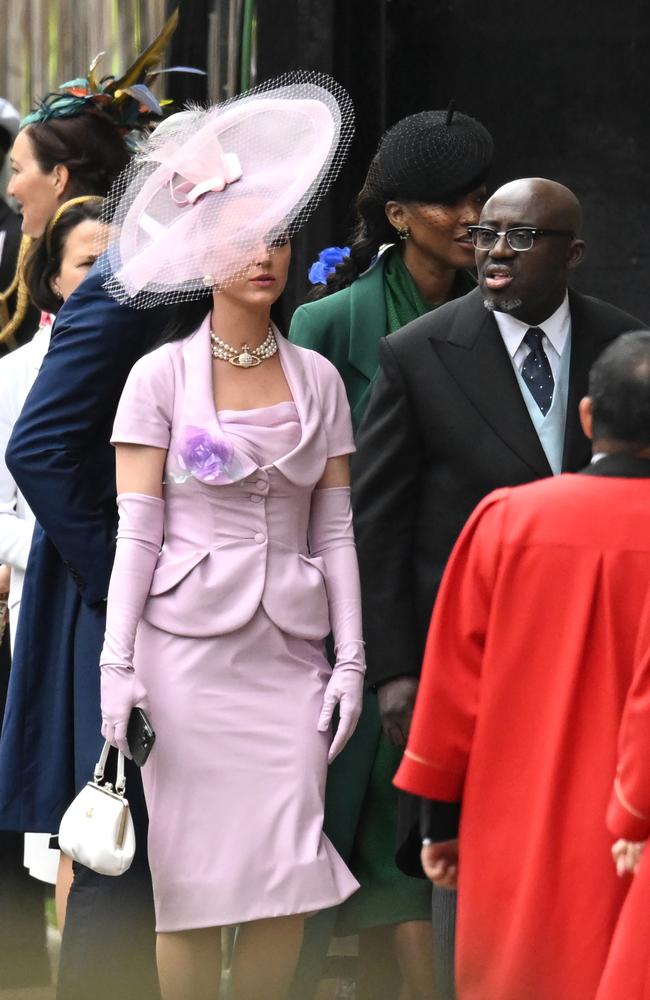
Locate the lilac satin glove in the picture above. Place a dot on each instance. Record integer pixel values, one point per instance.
(139, 539)
(121, 691)
(345, 689)
(331, 539)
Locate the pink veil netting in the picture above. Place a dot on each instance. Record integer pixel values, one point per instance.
(210, 185)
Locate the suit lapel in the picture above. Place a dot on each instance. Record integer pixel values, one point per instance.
(475, 356)
(298, 464)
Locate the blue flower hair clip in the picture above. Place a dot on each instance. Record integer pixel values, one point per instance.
(328, 261)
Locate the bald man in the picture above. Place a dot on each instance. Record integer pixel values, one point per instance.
(479, 394)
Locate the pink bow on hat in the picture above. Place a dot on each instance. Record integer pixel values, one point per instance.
(222, 169)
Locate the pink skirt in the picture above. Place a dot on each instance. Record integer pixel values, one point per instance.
(235, 783)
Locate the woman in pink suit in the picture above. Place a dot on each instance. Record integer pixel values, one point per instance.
(627, 972)
(235, 559)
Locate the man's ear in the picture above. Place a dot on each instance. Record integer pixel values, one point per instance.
(585, 410)
(576, 254)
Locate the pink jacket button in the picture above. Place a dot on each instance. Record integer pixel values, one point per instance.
(259, 537)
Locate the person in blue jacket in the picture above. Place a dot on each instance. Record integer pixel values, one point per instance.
(75, 142)
(61, 459)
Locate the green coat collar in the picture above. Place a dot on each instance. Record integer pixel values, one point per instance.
(367, 319)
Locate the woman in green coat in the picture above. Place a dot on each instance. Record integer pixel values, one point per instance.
(409, 252)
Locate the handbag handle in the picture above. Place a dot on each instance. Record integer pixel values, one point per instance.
(120, 782)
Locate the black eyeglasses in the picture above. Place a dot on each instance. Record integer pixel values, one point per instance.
(521, 238)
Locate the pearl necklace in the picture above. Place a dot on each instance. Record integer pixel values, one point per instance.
(244, 357)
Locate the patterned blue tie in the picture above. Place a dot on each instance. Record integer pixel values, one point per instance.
(536, 370)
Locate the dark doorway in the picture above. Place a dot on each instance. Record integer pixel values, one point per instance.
(562, 86)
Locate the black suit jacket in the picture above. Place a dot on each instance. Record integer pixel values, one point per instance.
(10, 227)
(445, 425)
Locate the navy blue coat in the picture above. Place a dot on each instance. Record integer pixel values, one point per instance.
(61, 459)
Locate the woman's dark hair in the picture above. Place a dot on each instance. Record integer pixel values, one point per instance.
(46, 254)
(430, 157)
(89, 145)
(184, 318)
(371, 229)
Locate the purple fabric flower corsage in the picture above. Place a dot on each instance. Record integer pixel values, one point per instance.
(328, 259)
(203, 456)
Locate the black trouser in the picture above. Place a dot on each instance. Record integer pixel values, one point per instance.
(108, 948)
(440, 821)
(443, 911)
(23, 955)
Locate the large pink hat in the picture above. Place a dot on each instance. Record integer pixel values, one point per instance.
(211, 186)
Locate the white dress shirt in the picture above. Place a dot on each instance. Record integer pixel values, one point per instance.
(556, 334)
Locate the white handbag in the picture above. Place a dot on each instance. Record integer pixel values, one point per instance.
(97, 828)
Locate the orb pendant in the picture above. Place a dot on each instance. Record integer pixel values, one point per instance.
(245, 360)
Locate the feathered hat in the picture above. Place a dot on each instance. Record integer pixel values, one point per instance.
(127, 102)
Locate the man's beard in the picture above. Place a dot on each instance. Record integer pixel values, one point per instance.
(504, 305)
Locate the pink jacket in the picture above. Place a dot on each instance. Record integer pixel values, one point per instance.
(240, 539)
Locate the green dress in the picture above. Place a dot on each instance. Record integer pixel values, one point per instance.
(361, 802)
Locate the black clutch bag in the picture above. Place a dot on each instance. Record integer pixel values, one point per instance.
(140, 736)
